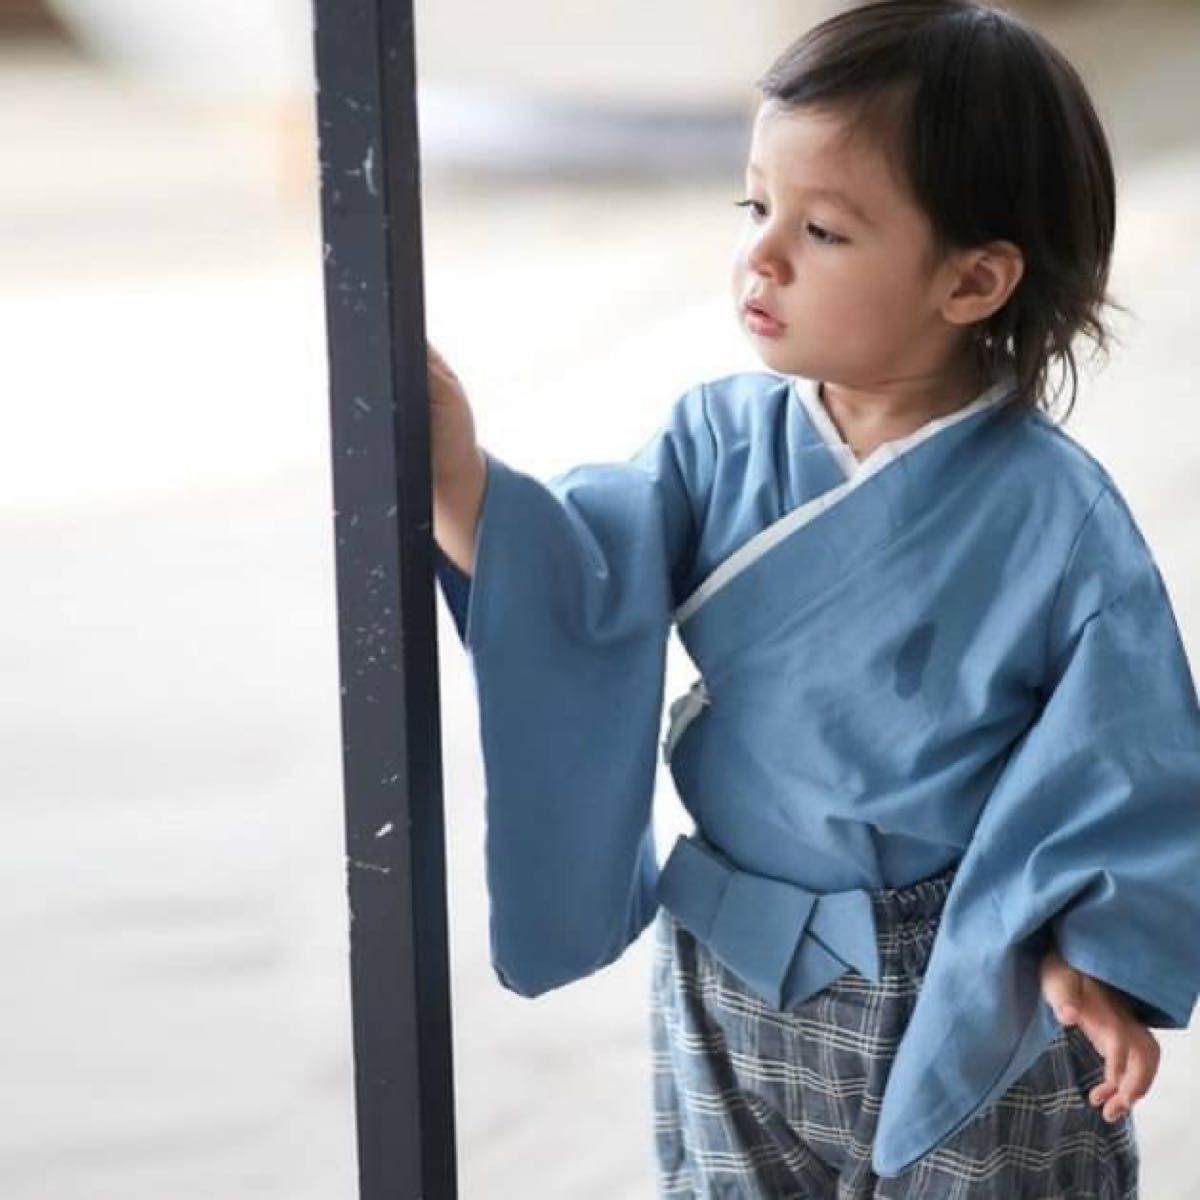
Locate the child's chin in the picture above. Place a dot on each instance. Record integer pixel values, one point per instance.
(779, 357)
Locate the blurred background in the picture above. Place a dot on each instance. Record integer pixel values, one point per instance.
(173, 913)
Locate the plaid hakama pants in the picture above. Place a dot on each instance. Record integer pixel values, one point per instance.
(757, 1104)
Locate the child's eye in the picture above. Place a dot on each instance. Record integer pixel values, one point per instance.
(823, 236)
(747, 203)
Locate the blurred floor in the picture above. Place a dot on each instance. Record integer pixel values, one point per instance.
(173, 907)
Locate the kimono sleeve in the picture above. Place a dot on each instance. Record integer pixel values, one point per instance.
(565, 620)
(1098, 820)
(1088, 840)
(456, 587)
(1128, 854)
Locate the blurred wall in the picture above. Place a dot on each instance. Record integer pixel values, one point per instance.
(21, 16)
(669, 54)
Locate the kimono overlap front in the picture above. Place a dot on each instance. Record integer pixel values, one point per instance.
(960, 652)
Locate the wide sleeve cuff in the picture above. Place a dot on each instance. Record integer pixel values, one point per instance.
(456, 587)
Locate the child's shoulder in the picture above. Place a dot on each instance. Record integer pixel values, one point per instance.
(1108, 541)
(1056, 457)
(746, 384)
(1060, 449)
(740, 401)
(728, 410)
(740, 390)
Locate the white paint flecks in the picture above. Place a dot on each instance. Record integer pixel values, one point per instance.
(366, 866)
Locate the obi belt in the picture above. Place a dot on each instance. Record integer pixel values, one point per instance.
(737, 914)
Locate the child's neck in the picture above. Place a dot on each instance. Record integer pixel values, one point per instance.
(865, 419)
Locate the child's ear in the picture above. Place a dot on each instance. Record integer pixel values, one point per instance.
(981, 282)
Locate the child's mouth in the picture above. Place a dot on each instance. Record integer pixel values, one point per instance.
(761, 322)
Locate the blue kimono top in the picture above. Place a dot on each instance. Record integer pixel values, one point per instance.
(958, 651)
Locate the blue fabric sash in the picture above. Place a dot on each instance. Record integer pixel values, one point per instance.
(738, 915)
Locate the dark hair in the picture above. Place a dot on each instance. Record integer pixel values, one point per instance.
(992, 132)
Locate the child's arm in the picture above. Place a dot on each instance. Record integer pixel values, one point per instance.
(456, 504)
(565, 616)
(1088, 841)
(1119, 795)
(1119, 647)
(459, 467)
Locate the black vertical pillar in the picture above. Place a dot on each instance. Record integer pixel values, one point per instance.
(395, 862)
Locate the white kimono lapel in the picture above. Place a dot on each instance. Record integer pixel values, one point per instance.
(857, 473)
(707, 637)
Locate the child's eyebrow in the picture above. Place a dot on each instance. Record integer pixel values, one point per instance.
(834, 194)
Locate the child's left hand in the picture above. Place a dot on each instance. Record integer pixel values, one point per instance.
(1131, 1052)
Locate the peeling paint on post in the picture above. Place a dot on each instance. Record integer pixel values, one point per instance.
(391, 753)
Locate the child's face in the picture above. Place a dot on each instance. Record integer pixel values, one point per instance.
(858, 312)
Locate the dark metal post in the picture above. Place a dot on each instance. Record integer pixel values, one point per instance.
(370, 210)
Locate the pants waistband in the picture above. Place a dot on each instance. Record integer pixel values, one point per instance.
(922, 899)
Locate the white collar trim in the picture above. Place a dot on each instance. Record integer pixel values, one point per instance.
(852, 468)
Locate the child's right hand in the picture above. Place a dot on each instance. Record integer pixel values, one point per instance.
(459, 467)
(454, 449)
(1131, 1051)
